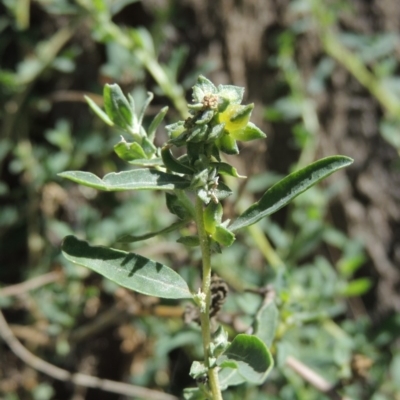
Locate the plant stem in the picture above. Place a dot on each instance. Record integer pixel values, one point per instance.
(265, 247)
(170, 88)
(335, 49)
(205, 314)
(356, 67)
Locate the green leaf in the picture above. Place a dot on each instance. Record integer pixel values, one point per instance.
(199, 179)
(216, 132)
(202, 87)
(129, 151)
(229, 377)
(129, 270)
(357, 287)
(198, 134)
(136, 179)
(234, 94)
(223, 236)
(250, 132)
(272, 114)
(138, 238)
(266, 323)
(280, 194)
(143, 40)
(226, 169)
(212, 216)
(144, 162)
(175, 206)
(390, 131)
(252, 358)
(98, 111)
(242, 113)
(175, 129)
(227, 144)
(149, 98)
(172, 163)
(194, 394)
(349, 265)
(117, 106)
(148, 147)
(189, 241)
(194, 150)
(235, 117)
(205, 117)
(219, 342)
(198, 370)
(221, 193)
(196, 106)
(156, 122)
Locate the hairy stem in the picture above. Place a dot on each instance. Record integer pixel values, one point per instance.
(205, 313)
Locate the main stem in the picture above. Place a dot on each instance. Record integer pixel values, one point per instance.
(205, 314)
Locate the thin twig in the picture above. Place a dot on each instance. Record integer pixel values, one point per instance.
(31, 334)
(103, 321)
(78, 379)
(314, 379)
(75, 96)
(31, 284)
(117, 314)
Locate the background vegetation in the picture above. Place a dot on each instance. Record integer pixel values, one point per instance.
(325, 81)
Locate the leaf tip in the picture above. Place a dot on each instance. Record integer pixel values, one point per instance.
(349, 159)
(68, 241)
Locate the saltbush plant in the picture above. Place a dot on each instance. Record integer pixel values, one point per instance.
(194, 191)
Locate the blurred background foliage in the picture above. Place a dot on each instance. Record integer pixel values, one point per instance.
(324, 77)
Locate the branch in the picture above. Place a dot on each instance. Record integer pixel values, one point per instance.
(314, 379)
(102, 322)
(31, 284)
(78, 379)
